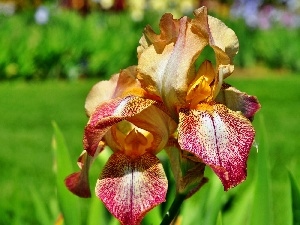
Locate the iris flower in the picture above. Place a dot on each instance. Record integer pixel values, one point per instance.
(136, 129)
(166, 101)
(213, 117)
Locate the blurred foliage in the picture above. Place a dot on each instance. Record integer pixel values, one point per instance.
(274, 48)
(100, 44)
(68, 46)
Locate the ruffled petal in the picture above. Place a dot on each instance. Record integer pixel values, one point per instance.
(236, 100)
(169, 28)
(108, 114)
(220, 137)
(131, 187)
(166, 63)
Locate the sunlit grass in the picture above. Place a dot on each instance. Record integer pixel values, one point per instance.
(27, 110)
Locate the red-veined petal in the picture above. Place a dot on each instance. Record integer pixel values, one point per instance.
(130, 187)
(220, 137)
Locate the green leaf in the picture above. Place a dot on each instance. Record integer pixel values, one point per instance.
(262, 208)
(219, 219)
(97, 212)
(153, 217)
(295, 195)
(69, 203)
(40, 206)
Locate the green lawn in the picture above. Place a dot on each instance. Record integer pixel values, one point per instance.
(26, 158)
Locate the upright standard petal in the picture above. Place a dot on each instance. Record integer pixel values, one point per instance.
(168, 71)
(131, 187)
(220, 137)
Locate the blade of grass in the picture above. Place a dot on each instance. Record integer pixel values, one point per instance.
(295, 195)
(97, 212)
(41, 211)
(262, 210)
(69, 203)
(153, 217)
(219, 219)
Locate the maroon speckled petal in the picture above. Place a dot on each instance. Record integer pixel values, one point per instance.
(108, 114)
(131, 187)
(220, 137)
(78, 183)
(238, 101)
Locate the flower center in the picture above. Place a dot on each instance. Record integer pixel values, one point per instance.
(137, 142)
(201, 88)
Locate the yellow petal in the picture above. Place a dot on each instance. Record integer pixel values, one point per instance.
(200, 88)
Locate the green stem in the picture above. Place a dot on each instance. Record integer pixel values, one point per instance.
(174, 209)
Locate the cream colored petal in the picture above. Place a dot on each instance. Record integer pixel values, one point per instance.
(168, 74)
(224, 38)
(100, 92)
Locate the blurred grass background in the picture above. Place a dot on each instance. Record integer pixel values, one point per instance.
(47, 69)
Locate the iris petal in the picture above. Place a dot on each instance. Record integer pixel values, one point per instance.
(238, 101)
(166, 65)
(119, 85)
(131, 187)
(220, 137)
(108, 114)
(78, 183)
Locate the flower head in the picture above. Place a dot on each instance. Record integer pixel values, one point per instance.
(167, 102)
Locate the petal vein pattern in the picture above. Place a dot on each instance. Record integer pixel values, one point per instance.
(131, 187)
(220, 137)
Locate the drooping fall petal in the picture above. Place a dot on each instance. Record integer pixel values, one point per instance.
(238, 101)
(108, 114)
(220, 137)
(78, 183)
(130, 187)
